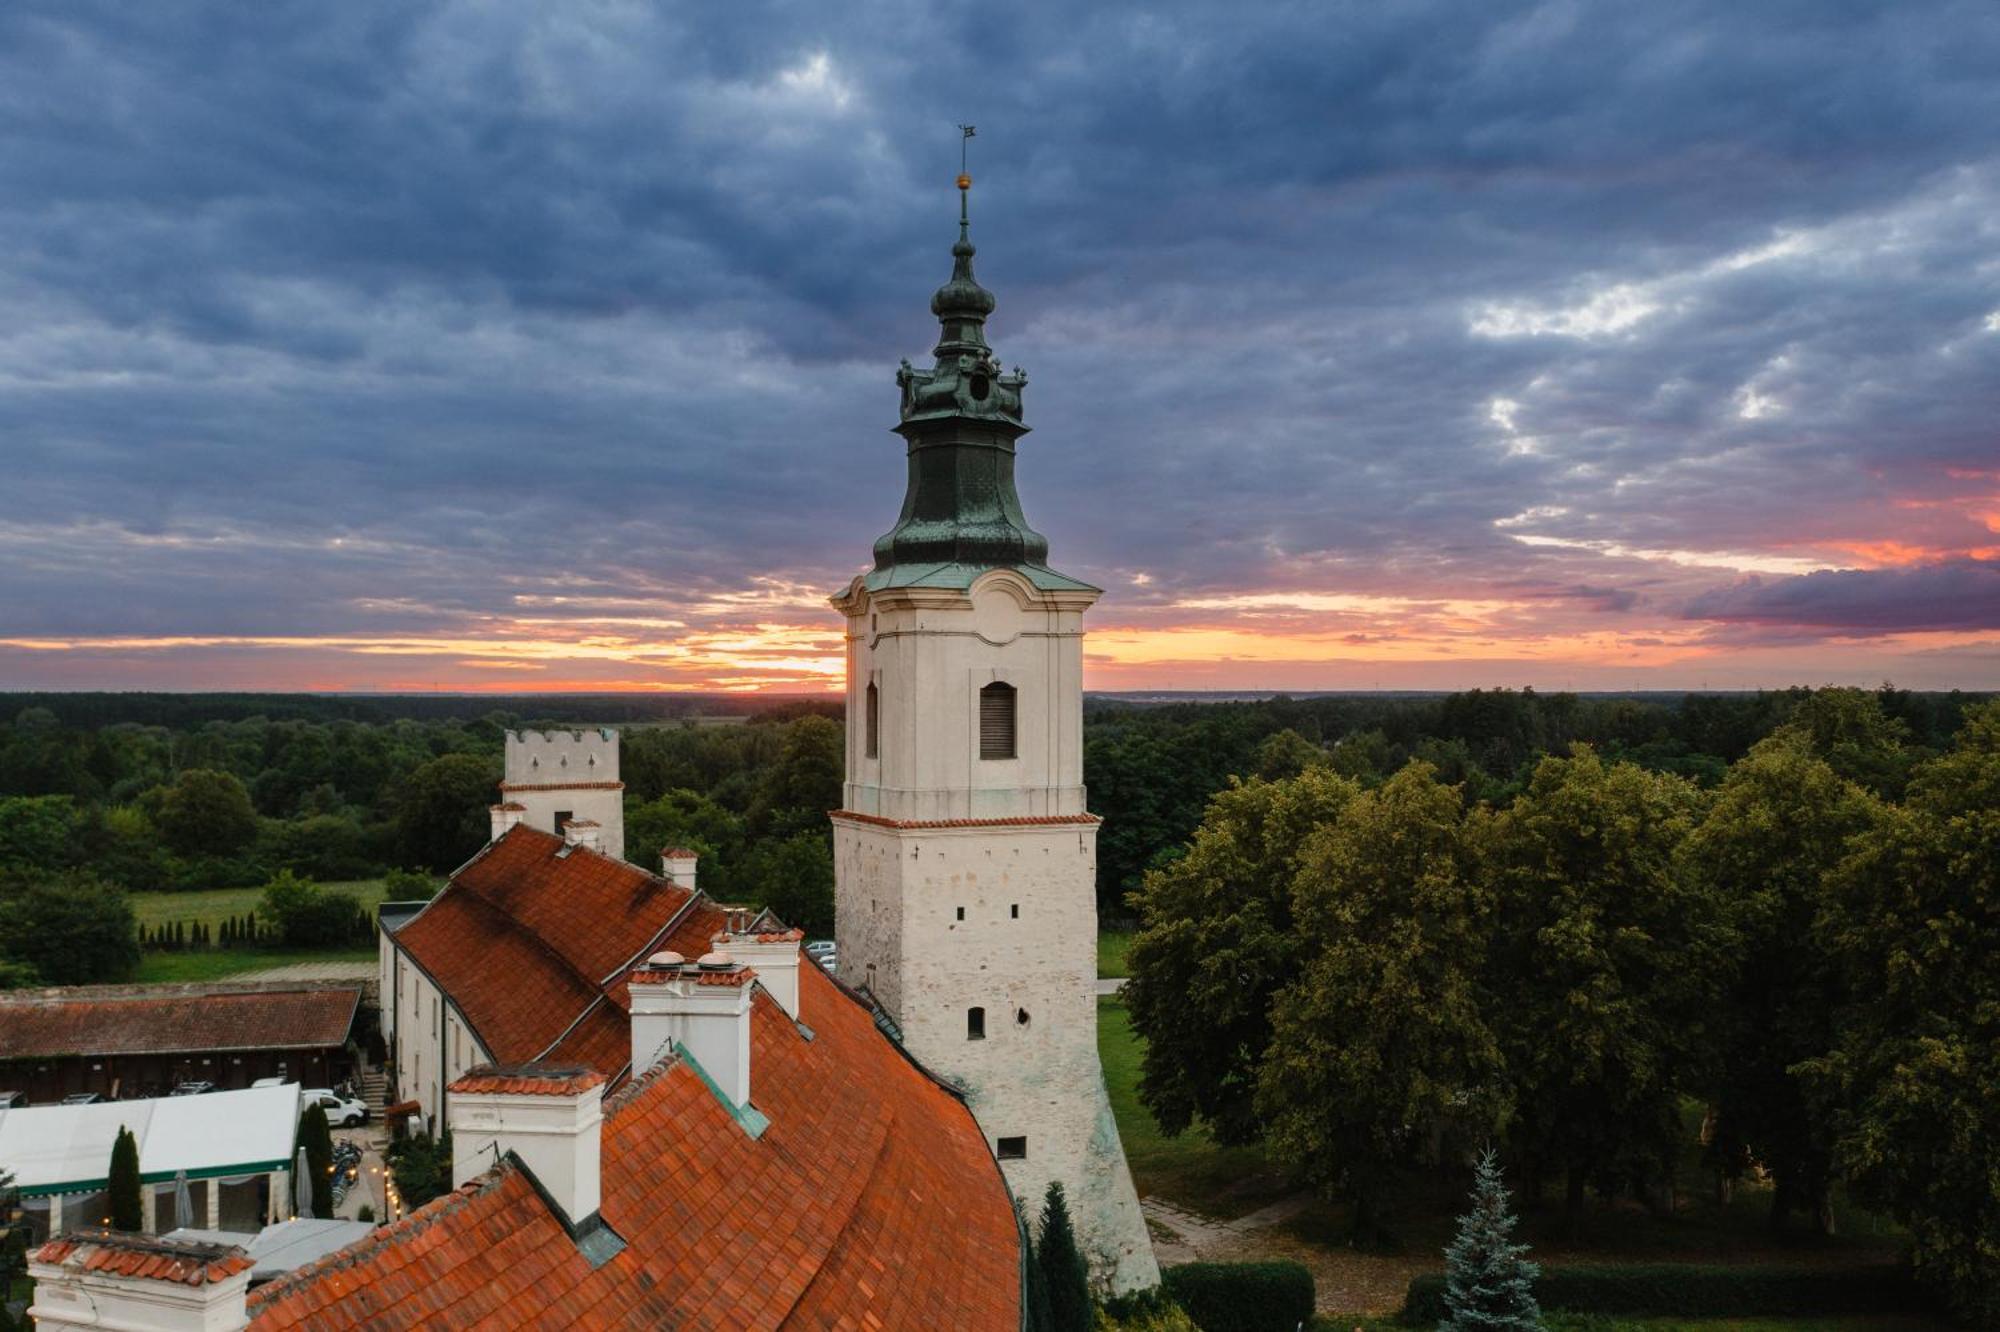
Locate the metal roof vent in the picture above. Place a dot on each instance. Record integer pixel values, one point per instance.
(715, 961)
(667, 959)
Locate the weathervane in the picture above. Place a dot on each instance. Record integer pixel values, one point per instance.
(965, 133)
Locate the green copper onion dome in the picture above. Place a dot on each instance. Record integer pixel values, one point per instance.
(961, 515)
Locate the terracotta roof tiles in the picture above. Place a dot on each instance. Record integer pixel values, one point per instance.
(529, 1080)
(44, 1024)
(870, 1200)
(181, 1263)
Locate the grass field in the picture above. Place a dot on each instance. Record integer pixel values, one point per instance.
(212, 906)
(1112, 946)
(1190, 1170)
(218, 964)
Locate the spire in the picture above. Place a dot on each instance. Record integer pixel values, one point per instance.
(961, 514)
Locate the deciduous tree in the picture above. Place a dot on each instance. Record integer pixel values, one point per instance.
(441, 816)
(206, 813)
(72, 928)
(1218, 942)
(1914, 919)
(1381, 1047)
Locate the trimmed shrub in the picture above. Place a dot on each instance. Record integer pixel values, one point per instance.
(1700, 1291)
(1242, 1297)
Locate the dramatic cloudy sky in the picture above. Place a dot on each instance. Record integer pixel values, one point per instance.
(496, 345)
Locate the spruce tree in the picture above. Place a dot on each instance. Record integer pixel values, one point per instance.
(122, 1189)
(1064, 1275)
(1489, 1282)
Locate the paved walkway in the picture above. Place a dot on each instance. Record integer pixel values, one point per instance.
(1110, 984)
(328, 971)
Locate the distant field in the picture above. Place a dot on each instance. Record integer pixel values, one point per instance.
(155, 968)
(212, 906)
(1111, 949)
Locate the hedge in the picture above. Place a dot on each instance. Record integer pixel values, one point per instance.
(1711, 1291)
(1242, 1297)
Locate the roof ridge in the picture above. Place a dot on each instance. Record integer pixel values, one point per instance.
(438, 1208)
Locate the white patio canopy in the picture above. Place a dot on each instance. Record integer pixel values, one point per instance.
(67, 1148)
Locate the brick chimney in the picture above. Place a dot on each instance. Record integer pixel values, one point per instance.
(677, 865)
(549, 1115)
(705, 1007)
(774, 956)
(587, 833)
(101, 1279)
(505, 816)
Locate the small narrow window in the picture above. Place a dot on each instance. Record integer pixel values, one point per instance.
(1015, 911)
(563, 816)
(1013, 1149)
(975, 1024)
(996, 721)
(873, 729)
(961, 913)
(1021, 1016)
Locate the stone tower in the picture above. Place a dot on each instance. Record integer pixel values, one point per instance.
(552, 777)
(964, 859)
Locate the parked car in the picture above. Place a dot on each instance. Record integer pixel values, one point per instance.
(277, 1081)
(196, 1088)
(341, 1111)
(827, 961)
(818, 948)
(8, 1100)
(82, 1098)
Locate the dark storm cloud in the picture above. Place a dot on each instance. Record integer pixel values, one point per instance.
(1960, 594)
(377, 317)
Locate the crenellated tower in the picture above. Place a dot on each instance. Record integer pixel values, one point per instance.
(965, 859)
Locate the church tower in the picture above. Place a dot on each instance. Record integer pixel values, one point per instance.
(965, 861)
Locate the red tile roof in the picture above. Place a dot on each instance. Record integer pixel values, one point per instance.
(183, 1263)
(870, 1201)
(115, 1020)
(1024, 821)
(528, 939)
(529, 1080)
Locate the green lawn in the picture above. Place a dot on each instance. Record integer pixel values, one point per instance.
(1603, 1323)
(221, 963)
(1190, 1170)
(1112, 946)
(212, 906)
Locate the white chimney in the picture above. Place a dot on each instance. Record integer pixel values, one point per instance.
(585, 833)
(549, 1115)
(775, 959)
(704, 1006)
(505, 816)
(101, 1279)
(677, 866)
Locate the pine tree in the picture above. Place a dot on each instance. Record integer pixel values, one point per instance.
(1063, 1273)
(1489, 1282)
(122, 1189)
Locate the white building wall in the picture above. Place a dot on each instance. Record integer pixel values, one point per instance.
(433, 1045)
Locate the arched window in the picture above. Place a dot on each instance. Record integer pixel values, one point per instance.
(996, 721)
(975, 1024)
(873, 728)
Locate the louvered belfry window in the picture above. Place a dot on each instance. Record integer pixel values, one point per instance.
(874, 728)
(996, 721)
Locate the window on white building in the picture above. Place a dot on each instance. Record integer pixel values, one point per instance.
(996, 721)
(975, 1024)
(1013, 1149)
(873, 729)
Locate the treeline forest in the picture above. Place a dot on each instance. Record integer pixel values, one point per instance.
(1610, 953)
(1375, 932)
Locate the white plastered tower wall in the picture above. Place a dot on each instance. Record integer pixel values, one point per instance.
(564, 772)
(968, 883)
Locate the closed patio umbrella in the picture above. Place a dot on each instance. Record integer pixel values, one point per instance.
(302, 1189)
(183, 1200)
